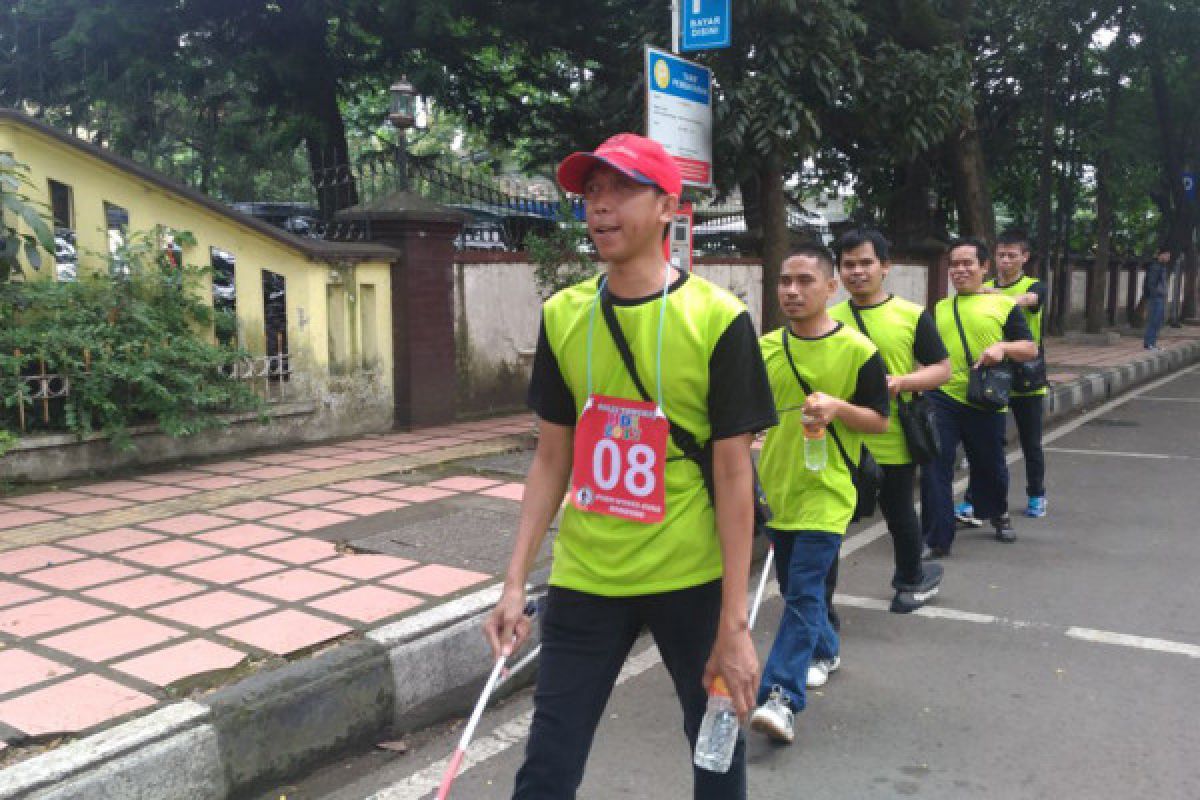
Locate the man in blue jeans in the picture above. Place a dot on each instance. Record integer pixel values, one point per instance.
(1154, 289)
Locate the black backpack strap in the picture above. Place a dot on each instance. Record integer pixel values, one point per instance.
(962, 334)
(850, 465)
(684, 440)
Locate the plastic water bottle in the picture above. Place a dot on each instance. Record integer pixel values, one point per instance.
(718, 731)
(815, 448)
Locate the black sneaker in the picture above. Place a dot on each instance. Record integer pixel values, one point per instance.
(934, 553)
(910, 597)
(1004, 529)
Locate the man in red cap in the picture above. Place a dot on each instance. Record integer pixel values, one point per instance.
(649, 386)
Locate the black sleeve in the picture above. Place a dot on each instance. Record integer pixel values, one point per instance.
(739, 394)
(928, 347)
(549, 396)
(1038, 288)
(871, 391)
(1016, 329)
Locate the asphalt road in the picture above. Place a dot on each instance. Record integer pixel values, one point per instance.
(1066, 665)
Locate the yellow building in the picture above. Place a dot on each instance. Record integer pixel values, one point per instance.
(326, 305)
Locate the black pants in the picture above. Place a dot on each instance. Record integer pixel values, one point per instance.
(1027, 413)
(897, 503)
(585, 641)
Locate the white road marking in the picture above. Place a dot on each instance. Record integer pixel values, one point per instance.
(422, 783)
(1116, 454)
(1173, 399)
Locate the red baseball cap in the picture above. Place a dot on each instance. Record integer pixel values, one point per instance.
(644, 160)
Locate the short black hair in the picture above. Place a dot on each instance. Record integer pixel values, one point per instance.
(1164, 248)
(1014, 236)
(857, 237)
(820, 252)
(981, 250)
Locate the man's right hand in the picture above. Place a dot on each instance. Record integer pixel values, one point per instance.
(507, 627)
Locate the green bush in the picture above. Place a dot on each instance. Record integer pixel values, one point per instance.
(561, 257)
(135, 345)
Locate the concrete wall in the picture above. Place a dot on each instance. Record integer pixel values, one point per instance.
(498, 310)
(903, 280)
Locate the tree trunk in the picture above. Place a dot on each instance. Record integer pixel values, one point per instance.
(773, 207)
(1045, 187)
(969, 170)
(329, 153)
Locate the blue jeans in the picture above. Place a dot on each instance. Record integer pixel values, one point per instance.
(1155, 308)
(585, 640)
(982, 437)
(802, 559)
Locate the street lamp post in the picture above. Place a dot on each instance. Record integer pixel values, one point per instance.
(402, 113)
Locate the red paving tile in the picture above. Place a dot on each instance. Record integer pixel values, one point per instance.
(157, 493)
(212, 609)
(361, 456)
(417, 494)
(187, 523)
(12, 593)
(444, 441)
(229, 569)
(308, 520)
(275, 458)
(312, 497)
(364, 566)
(19, 669)
(90, 505)
(408, 449)
(109, 488)
(254, 509)
(216, 482)
(298, 551)
(365, 486)
(185, 660)
(116, 637)
(464, 483)
(507, 491)
(321, 463)
(71, 706)
(39, 556)
(367, 603)
(365, 506)
(324, 451)
(269, 473)
(436, 579)
(18, 518)
(81, 574)
(239, 536)
(145, 591)
(226, 467)
(285, 632)
(44, 499)
(174, 477)
(295, 584)
(169, 554)
(114, 540)
(43, 616)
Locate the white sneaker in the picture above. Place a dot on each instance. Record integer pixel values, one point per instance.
(819, 669)
(775, 718)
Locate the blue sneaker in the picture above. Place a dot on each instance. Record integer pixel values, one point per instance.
(1036, 507)
(964, 514)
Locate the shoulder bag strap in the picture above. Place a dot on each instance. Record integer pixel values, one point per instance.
(858, 320)
(850, 465)
(962, 334)
(683, 439)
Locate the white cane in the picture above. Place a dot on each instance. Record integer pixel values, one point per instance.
(762, 585)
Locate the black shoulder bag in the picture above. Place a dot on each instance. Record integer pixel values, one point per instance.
(683, 438)
(866, 474)
(915, 415)
(987, 387)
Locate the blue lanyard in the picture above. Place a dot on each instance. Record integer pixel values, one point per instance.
(662, 316)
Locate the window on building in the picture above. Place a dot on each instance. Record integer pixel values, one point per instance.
(116, 222)
(274, 288)
(224, 291)
(62, 209)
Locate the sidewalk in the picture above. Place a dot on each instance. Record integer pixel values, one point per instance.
(214, 595)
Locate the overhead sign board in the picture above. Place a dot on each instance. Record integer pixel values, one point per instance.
(679, 113)
(706, 25)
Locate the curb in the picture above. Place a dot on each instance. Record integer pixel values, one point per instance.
(276, 724)
(399, 677)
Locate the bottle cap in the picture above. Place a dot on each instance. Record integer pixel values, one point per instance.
(718, 687)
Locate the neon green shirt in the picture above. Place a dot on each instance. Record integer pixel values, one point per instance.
(845, 364)
(986, 319)
(1033, 316)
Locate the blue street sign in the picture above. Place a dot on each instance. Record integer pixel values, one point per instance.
(706, 25)
(1189, 185)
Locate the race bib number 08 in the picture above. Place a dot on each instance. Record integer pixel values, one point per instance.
(620, 459)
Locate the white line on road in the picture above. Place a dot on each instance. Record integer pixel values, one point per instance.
(421, 783)
(1172, 399)
(1116, 454)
